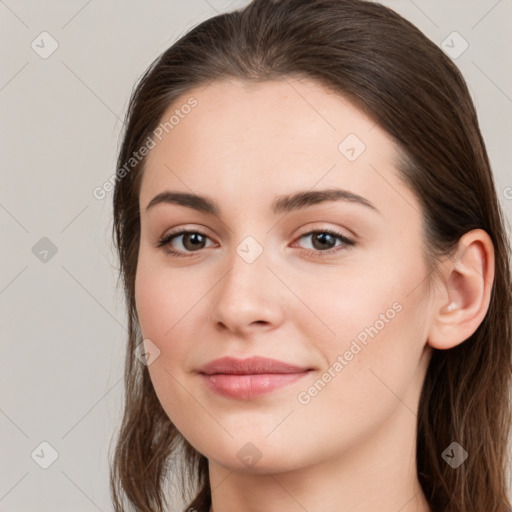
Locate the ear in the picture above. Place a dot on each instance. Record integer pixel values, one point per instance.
(463, 293)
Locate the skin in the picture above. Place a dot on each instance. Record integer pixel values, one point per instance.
(352, 447)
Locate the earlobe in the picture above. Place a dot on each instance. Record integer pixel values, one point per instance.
(462, 297)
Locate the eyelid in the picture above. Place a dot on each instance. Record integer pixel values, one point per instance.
(175, 233)
(346, 242)
(321, 227)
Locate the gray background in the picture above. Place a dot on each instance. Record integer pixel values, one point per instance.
(63, 328)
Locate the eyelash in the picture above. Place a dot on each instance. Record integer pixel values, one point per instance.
(166, 240)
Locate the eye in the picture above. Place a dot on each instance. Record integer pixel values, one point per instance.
(192, 241)
(324, 241)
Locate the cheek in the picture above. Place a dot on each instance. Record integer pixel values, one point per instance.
(356, 295)
(161, 296)
(151, 301)
(169, 309)
(373, 316)
(372, 367)
(162, 313)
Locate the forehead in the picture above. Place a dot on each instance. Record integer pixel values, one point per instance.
(249, 140)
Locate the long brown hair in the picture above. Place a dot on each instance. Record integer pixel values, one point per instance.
(415, 93)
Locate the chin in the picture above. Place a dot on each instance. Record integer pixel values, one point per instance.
(258, 458)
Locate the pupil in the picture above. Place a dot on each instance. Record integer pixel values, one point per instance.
(195, 238)
(321, 237)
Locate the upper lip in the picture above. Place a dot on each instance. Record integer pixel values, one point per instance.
(250, 366)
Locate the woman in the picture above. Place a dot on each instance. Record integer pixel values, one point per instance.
(316, 270)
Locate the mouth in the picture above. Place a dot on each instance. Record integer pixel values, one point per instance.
(252, 366)
(250, 378)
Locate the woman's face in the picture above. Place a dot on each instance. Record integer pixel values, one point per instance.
(336, 287)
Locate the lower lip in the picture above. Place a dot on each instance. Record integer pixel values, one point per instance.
(247, 387)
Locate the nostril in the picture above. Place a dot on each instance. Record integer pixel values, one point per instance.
(259, 322)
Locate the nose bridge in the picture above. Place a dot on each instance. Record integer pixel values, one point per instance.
(247, 269)
(246, 294)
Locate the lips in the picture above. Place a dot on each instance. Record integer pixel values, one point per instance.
(251, 378)
(252, 366)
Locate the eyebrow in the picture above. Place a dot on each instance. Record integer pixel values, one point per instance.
(282, 204)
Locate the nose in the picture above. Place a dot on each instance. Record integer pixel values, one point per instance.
(249, 298)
